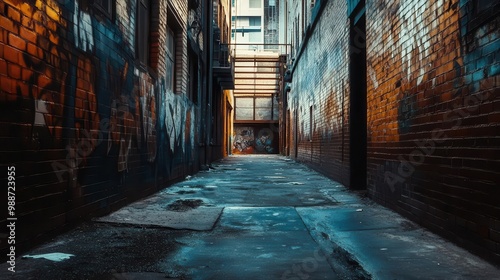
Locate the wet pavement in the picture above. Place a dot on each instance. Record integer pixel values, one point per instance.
(251, 217)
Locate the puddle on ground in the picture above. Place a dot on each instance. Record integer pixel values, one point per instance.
(186, 192)
(55, 257)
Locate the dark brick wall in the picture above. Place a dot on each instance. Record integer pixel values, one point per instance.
(86, 127)
(433, 111)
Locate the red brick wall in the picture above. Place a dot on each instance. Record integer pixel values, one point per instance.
(433, 112)
(87, 128)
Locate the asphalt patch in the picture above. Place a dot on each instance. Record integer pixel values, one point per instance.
(183, 205)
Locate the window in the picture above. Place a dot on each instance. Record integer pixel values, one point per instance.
(193, 77)
(254, 4)
(256, 108)
(263, 108)
(170, 61)
(142, 36)
(254, 21)
(105, 6)
(193, 4)
(311, 123)
(244, 108)
(481, 12)
(483, 5)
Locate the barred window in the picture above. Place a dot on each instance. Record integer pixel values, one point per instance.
(170, 79)
(142, 33)
(105, 6)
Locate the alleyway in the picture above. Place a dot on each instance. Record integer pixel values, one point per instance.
(251, 217)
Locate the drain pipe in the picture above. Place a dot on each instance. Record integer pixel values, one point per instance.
(209, 83)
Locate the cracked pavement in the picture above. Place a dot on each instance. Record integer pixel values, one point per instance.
(251, 217)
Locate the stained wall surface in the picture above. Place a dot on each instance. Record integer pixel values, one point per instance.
(432, 106)
(88, 125)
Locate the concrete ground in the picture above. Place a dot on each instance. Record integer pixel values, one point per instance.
(251, 217)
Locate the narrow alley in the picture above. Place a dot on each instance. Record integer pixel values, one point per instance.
(250, 139)
(251, 217)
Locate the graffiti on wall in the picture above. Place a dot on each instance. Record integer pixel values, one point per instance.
(244, 139)
(84, 37)
(125, 18)
(146, 114)
(415, 58)
(87, 97)
(43, 67)
(264, 141)
(319, 83)
(481, 41)
(254, 140)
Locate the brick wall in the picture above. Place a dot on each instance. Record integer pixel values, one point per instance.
(87, 129)
(432, 111)
(319, 86)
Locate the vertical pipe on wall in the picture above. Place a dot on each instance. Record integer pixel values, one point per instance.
(209, 84)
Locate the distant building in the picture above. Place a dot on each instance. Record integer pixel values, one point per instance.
(255, 22)
(257, 70)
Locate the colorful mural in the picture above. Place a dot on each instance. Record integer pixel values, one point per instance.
(244, 139)
(254, 140)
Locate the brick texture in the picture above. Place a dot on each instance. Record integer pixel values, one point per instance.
(86, 126)
(320, 87)
(432, 110)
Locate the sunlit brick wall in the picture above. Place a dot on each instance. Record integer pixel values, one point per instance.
(433, 116)
(433, 110)
(320, 86)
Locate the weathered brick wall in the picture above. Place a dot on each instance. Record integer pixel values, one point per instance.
(433, 117)
(85, 127)
(319, 86)
(433, 111)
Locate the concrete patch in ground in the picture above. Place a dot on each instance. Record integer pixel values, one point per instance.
(252, 243)
(199, 218)
(383, 242)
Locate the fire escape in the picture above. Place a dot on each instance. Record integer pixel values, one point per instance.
(223, 64)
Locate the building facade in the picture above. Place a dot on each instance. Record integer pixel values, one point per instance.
(103, 102)
(257, 71)
(400, 98)
(247, 20)
(223, 79)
